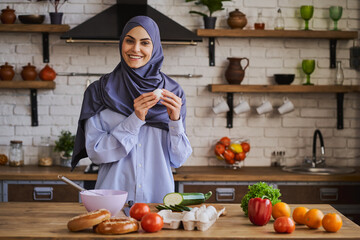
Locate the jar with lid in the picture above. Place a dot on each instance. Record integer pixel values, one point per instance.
(16, 154)
(44, 154)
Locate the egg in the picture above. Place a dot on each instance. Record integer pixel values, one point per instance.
(158, 93)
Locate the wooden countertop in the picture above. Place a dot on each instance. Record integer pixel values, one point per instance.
(49, 221)
(186, 173)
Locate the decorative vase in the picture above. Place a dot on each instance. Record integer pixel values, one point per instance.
(7, 72)
(8, 15)
(56, 17)
(235, 73)
(47, 73)
(209, 22)
(237, 19)
(28, 73)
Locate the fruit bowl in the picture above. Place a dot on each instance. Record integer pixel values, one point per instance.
(232, 152)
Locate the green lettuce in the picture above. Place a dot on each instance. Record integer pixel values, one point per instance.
(261, 190)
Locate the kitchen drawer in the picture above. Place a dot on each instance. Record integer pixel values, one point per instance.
(327, 194)
(222, 192)
(35, 191)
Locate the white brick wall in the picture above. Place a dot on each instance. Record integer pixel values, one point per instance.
(59, 108)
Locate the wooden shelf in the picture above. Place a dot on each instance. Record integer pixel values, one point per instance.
(231, 89)
(50, 28)
(277, 33)
(333, 36)
(282, 88)
(27, 85)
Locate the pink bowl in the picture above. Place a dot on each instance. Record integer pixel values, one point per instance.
(112, 200)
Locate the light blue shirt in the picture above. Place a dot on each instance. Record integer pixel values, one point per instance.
(135, 157)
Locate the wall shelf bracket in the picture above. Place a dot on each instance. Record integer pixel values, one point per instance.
(211, 51)
(333, 53)
(45, 43)
(34, 109)
(229, 114)
(340, 110)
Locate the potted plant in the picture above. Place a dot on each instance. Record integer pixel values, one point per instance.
(213, 6)
(65, 145)
(55, 17)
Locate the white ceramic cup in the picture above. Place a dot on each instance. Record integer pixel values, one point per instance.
(242, 107)
(221, 107)
(286, 107)
(265, 107)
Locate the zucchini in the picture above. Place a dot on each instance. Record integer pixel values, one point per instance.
(185, 199)
(176, 208)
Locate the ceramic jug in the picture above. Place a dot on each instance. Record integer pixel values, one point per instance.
(237, 19)
(8, 15)
(28, 73)
(7, 72)
(235, 73)
(47, 73)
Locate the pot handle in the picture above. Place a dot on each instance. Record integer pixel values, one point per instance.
(247, 62)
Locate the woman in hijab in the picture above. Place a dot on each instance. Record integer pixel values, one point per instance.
(132, 135)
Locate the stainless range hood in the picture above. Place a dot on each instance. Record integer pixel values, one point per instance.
(106, 26)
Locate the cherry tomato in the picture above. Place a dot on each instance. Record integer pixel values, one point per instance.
(219, 148)
(152, 222)
(138, 210)
(229, 156)
(284, 225)
(245, 146)
(240, 156)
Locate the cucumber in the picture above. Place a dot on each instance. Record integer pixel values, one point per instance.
(185, 198)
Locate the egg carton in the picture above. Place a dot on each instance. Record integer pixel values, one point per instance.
(201, 218)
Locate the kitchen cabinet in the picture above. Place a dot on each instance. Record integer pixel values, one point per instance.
(333, 36)
(231, 89)
(44, 29)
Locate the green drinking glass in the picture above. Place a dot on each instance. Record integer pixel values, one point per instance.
(308, 66)
(306, 12)
(335, 15)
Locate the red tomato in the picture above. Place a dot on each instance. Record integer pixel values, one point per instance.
(138, 210)
(229, 155)
(152, 222)
(226, 141)
(245, 146)
(284, 225)
(219, 148)
(240, 156)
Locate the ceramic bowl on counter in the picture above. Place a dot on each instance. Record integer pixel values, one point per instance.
(284, 79)
(32, 19)
(112, 200)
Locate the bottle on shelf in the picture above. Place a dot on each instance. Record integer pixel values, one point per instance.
(279, 23)
(259, 24)
(339, 77)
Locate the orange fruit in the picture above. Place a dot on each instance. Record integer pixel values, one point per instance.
(313, 218)
(332, 222)
(299, 214)
(280, 209)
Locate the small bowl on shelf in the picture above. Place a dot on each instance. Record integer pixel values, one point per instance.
(32, 19)
(284, 79)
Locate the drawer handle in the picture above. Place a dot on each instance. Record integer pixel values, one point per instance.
(225, 194)
(329, 194)
(43, 193)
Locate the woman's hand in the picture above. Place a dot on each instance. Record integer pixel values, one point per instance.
(173, 104)
(143, 103)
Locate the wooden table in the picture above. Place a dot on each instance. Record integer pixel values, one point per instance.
(19, 220)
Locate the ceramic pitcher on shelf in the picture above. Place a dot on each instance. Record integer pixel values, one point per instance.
(235, 73)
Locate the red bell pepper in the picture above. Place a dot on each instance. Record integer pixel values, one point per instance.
(259, 211)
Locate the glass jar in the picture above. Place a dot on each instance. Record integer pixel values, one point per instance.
(16, 154)
(259, 24)
(279, 23)
(339, 77)
(44, 155)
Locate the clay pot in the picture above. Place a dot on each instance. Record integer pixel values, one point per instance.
(28, 73)
(237, 19)
(47, 73)
(8, 15)
(7, 72)
(235, 73)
